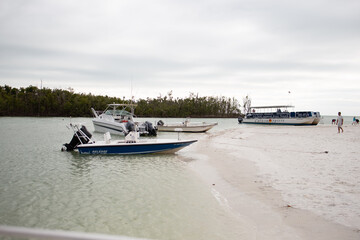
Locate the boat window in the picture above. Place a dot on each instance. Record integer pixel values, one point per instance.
(302, 114)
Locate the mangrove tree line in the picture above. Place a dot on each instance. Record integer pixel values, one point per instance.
(32, 101)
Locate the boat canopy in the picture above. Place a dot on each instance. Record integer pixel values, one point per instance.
(112, 109)
(276, 106)
(122, 105)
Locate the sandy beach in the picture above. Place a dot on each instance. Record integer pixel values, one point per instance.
(285, 182)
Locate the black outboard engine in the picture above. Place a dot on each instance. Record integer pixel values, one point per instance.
(160, 123)
(240, 119)
(81, 136)
(130, 126)
(150, 129)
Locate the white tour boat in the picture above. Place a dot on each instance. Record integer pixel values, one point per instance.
(279, 115)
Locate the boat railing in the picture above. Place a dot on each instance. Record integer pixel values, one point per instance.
(36, 233)
(77, 129)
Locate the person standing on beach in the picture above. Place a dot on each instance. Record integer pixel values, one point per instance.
(340, 122)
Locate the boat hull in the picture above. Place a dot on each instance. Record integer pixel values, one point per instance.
(108, 126)
(134, 148)
(182, 128)
(316, 121)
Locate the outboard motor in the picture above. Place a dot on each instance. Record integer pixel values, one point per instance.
(240, 119)
(160, 123)
(81, 136)
(150, 129)
(130, 126)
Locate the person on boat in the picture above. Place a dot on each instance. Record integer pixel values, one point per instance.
(340, 122)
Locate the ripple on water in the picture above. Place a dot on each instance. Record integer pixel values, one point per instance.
(152, 196)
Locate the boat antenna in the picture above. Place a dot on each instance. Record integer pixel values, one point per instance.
(131, 90)
(132, 101)
(290, 101)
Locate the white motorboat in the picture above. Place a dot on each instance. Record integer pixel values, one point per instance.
(186, 126)
(117, 120)
(83, 142)
(280, 116)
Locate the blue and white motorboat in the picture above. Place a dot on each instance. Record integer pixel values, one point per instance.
(279, 115)
(83, 142)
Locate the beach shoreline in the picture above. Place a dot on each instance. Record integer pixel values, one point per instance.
(240, 168)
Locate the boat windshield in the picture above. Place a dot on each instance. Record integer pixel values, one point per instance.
(117, 112)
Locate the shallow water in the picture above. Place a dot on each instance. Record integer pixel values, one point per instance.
(149, 196)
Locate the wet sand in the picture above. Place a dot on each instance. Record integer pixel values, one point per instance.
(285, 182)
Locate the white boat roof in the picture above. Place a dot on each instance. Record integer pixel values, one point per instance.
(276, 106)
(122, 105)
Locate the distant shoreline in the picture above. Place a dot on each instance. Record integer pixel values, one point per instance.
(136, 116)
(34, 102)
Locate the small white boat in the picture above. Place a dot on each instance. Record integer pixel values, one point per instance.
(187, 126)
(83, 142)
(116, 120)
(281, 116)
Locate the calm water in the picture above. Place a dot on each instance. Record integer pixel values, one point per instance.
(153, 196)
(149, 196)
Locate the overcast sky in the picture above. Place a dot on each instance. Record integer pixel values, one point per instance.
(232, 48)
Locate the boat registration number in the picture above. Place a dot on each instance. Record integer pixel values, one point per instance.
(99, 151)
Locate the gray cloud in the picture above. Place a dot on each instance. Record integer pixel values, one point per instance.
(229, 48)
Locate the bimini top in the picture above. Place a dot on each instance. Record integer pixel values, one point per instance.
(112, 109)
(122, 105)
(279, 106)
